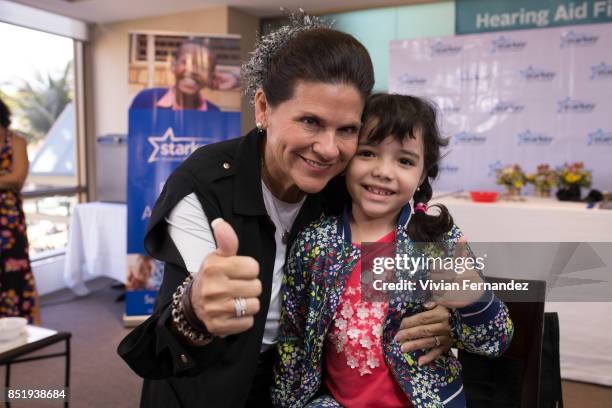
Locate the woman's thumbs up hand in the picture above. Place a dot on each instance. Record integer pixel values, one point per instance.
(226, 288)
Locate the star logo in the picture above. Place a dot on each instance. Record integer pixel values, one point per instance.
(599, 137)
(573, 105)
(493, 167)
(506, 44)
(601, 70)
(171, 148)
(537, 74)
(530, 138)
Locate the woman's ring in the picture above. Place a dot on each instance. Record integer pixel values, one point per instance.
(240, 306)
(437, 340)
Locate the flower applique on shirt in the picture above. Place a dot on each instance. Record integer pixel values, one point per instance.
(357, 330)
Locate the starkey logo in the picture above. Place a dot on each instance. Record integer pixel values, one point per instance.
(507, 107)
(493, 167)
(569, 105)
(531, 138)
(450, 109)
(470, 139)
(171, 148)
(408, 79)
(448, 168)
(537, 74)
(601, 71)
(599, 138)
(505, 44)
(440, 48)
(573, 38)
(148, 299)
(468, 76)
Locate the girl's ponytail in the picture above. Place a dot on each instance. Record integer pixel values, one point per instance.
(424, 227)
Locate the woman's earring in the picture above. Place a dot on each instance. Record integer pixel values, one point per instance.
(418, 188)
(260, 128)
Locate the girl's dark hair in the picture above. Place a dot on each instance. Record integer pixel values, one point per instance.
(318, 55)
(401, 116)
(5, 115)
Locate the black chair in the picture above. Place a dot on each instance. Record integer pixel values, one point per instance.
(513, 380)
(551, 393)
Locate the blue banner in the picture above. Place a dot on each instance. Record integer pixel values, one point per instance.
(139, 302)
(187, 96)
(158, 141)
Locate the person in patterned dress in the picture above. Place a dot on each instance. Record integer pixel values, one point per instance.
(339, 344)
(18, 296)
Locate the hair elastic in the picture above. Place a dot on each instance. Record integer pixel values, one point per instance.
(420, 207)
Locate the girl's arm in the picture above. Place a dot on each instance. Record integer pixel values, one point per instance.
(484, 326)
(291, 366)
(16, 178)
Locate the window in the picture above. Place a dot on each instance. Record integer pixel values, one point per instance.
(37, 80)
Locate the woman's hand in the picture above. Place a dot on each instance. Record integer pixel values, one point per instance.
(224, 277)
(426, 330)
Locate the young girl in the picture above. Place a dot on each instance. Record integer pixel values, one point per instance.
(329, 334)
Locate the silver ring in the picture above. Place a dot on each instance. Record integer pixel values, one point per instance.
(437, 340)
(240, 306)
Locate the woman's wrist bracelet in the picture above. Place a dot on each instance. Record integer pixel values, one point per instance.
(188, 312)
(195, 333)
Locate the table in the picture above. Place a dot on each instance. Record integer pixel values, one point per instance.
(35, 338)
(97, 244)
(586, 332)
(533, 220)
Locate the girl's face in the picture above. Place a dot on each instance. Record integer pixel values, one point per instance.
(310, 137)
(382, 178)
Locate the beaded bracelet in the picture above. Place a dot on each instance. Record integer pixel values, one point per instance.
(187, 324)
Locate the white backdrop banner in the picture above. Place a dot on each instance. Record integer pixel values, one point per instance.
(526, 97)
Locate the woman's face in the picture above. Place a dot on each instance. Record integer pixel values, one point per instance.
(310, 137)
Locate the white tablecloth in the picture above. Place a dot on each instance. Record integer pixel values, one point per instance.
(97, 244)
(533, 220)
(585, 328)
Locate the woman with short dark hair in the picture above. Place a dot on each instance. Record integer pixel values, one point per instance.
(226, 216)
(18, 295)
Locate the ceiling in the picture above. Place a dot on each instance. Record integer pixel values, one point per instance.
(106, 11)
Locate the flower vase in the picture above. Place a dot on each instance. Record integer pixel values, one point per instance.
(513, 191)
(569, 192)
(542, 192)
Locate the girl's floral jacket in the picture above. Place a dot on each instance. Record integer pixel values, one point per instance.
(318, 267)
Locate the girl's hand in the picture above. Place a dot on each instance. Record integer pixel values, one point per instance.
(426, 330)
(465, 294)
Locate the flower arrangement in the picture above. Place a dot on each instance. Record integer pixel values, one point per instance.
(544, 179)
(571, 178)
(574, 174)
(513, 178)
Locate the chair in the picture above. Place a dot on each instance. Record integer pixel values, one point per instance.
(513, 380)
